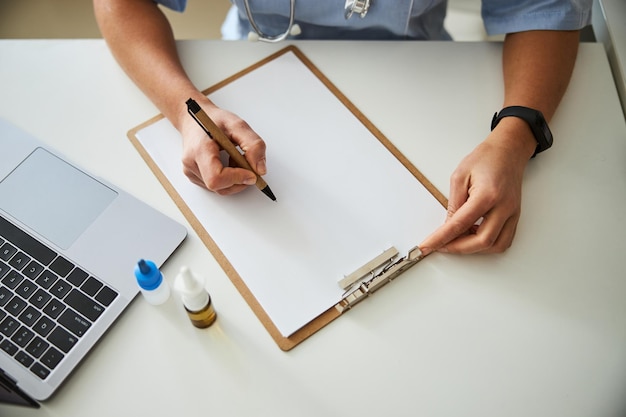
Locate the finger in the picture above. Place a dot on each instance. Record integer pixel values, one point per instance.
(505, 240)
(492, 236)
(459, 194)
(457, 224)
(256, 158)
(226, 180)
(447, 232)
(251, 144)
(205, 168)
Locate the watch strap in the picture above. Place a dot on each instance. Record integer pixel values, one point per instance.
(535, 120)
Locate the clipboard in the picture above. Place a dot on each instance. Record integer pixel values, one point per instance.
(361, 182)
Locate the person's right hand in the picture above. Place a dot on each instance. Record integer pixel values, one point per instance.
(201, 159)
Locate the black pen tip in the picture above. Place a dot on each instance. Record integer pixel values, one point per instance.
(269, 193)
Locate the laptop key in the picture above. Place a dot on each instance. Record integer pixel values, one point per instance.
(62, 339)
(15, 306)
(46, 279)
(4, 268)
(51, 358)
(12, 279)
(60, 288)
(54, 308)
(8, 326)
(61, 266)
(29, 316)
(106, 296)
(44, 326)
(37, 347)
(7, 251)
(26, 288)
(91, 286)
(74, 322)
(5, 295)
(33, 269)
(22, 336)
(8, 347)
(40, 370)
(40, 298)
(84, 305)
(25, 359)
(19, 260)
(77, 277)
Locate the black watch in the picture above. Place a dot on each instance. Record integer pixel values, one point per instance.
(535, 120)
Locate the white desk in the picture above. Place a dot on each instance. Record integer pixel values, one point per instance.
(537, 331)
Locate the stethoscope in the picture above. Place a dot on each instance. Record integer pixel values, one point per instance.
(351, 7)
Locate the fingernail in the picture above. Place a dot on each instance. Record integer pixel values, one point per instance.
(443, 249)
(250, 181)
(425, 251)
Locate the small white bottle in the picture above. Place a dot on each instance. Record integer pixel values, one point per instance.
(195, 298)
(151, 283)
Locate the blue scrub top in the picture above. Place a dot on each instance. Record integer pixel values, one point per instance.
(403, 19)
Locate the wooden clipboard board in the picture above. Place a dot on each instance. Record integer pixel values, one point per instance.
(331, 313)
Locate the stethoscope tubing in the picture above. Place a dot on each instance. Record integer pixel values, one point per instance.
(272, 38)
(359, 7)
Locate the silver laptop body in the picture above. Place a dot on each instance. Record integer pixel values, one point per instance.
(89, 222)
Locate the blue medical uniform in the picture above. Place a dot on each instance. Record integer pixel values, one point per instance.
(402, 19)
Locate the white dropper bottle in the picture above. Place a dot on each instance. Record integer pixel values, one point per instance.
(151, 283)
(195, 298)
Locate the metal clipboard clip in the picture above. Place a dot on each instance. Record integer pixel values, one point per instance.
(374, 274)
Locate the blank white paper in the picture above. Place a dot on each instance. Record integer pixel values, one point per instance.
(342, 197)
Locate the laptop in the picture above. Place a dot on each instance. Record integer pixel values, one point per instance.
(69, 243)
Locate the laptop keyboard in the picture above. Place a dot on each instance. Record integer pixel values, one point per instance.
(46, 302)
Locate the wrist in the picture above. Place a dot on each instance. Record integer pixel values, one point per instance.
(182, 116)
(535, 121)
(514, 134)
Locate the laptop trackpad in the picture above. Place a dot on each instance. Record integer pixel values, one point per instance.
(53, 198)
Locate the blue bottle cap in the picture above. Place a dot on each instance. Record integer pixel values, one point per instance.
(148, 275)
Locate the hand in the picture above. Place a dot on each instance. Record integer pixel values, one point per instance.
(485, 194)
(201, 155)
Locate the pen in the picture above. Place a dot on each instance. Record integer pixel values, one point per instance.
(216, 134)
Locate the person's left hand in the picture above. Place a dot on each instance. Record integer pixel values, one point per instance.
(485, 194)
